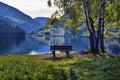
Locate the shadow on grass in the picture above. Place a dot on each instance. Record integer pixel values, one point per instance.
(59, 58)
(98, 68)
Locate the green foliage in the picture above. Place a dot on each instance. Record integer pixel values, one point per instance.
(112, 17)
(72, 25)
(49, 3)
(75, 8)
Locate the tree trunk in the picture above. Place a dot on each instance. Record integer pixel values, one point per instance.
(97, 42)
(98, 35)
(90, 26)
(102, 43)
(92, 43)
(102, 27)
(102, 38)
(92, 35)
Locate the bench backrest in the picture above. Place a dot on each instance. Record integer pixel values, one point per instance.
(60, 47)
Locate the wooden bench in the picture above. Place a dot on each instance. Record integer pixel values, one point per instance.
(65, 48)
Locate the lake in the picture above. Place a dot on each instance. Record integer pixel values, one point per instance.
(41, 45)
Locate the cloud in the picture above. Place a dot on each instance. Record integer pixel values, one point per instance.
(33, 8)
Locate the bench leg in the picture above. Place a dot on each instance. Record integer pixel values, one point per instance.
(67, 53)
(53, 52)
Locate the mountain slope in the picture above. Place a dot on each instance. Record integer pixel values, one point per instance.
(42, 20)
(6, 28)
(13, 13)
(17, 18)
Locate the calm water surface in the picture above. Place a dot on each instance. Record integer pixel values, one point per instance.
(20, 45)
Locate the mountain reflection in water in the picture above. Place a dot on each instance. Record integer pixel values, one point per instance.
(21, 45)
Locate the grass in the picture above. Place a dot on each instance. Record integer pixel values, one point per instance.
(33, 67)
(26, 68)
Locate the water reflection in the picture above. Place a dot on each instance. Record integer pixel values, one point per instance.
(22, 45)
(113, 45)
(7, 43)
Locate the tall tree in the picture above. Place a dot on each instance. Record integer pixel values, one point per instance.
(96, 14)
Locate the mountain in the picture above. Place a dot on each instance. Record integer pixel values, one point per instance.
(6, 28)
(42, 20)
(17, 18)
(56, 30)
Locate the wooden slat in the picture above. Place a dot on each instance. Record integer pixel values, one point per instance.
(60, 47)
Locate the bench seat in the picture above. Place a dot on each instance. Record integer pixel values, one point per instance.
(65, 48)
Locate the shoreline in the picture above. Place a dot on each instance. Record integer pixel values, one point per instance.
(81, 54)
(75, 54)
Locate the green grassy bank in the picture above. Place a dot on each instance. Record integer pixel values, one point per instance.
(33, 67)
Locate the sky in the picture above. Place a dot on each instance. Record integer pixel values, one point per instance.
(33, 8)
